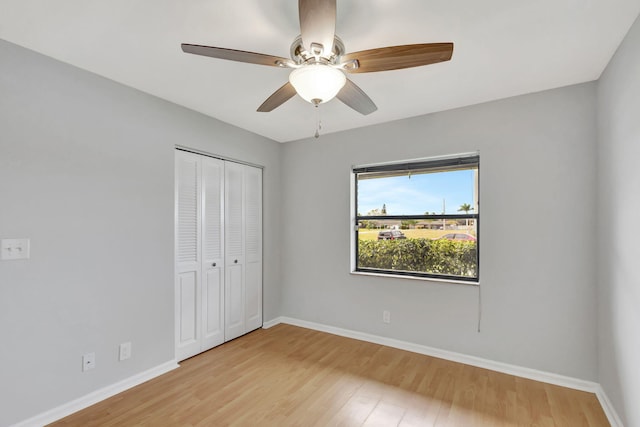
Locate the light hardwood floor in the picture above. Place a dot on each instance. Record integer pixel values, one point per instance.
(290, 376)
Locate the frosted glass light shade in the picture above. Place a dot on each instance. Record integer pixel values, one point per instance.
(317, 82)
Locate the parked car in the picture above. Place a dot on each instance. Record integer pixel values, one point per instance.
(459, 236)
(391, 235)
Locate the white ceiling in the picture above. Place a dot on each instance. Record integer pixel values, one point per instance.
(502, 48)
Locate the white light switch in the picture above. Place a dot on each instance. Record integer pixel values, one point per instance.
(14, 249)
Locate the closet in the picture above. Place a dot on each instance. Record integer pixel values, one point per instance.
(218, 284)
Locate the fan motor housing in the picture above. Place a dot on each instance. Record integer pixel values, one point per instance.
(300, 55)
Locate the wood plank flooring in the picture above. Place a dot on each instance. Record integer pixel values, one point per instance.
(290, 376)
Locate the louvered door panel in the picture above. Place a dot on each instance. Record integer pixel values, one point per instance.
(188, 246)
(188, 207)
(253, 247)
(234, 218)
(213, 181)
(253, 214)
(234, 251)
(212, 252)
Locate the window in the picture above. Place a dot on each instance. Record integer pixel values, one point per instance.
(418, 218)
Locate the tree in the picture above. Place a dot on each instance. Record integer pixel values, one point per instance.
(407, 224)
(465, 207)
(375, 212)
(368, 224)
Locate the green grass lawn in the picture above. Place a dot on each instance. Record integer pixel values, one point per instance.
(372, 234)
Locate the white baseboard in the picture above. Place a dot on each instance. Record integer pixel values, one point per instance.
(96, 396)
(519, 371)
(607, 407)
(271, 323)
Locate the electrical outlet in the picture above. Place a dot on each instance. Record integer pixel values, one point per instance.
(386, 316)
(125, 351)
(88, 362)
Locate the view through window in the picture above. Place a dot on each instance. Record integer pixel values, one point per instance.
(418, 218)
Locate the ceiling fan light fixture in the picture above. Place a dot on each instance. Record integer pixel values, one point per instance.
(317, 83)
(320, 62)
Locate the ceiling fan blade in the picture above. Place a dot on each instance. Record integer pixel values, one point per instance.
(279, 97)
(355, 98)
(237, 55)
(317, 24)
(398, 57)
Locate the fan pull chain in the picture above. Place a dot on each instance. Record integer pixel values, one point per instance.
(318, 121)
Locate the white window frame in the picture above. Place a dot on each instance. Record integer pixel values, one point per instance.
(412, 275)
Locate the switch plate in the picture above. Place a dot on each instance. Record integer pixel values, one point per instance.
(88, 362)
(125, 351)
(11, 249)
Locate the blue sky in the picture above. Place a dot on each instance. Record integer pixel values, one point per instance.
(418, 194)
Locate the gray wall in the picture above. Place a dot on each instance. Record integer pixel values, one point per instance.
(618, 215)
(86, 172)
(537, 162)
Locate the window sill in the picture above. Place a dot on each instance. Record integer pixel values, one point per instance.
(424, 279)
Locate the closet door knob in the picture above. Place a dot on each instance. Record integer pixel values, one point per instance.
(235, 261)
(213, 265)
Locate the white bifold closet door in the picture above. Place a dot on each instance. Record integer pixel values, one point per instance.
(243, 249)
(212, 267)
(218, 290)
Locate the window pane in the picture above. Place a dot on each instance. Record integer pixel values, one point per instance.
(413, 193)
(418, 218)
(426, 247)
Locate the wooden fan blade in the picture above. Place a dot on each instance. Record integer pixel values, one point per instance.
(237, 55)
(317, 24)
(397, 57)
(279, 97)
(355, 98)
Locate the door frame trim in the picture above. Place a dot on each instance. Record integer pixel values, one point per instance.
(216, 156)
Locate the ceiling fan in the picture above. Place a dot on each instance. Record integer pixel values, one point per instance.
(319, 61)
